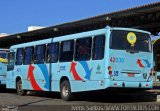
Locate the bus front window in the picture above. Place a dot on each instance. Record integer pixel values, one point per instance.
(3, 57)
(119, 41)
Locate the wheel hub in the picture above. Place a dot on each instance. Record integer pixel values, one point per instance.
(65, 91)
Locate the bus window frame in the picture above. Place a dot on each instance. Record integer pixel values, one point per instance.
(102, 46)
(76, 49)
(20, 58)
(34, 55)
(71, 50)
(57, 53)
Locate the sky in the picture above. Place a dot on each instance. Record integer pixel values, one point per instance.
(17, 15)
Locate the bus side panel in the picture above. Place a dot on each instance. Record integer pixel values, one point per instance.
(10, 81)
(94, 78)
(69, 70)
(38, 77)
(34, 77)
(55, 77)
(83, 75)
(19, 72)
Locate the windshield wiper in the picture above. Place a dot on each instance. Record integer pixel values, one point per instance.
(132, 51)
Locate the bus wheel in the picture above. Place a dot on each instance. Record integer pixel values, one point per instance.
(19, 88)
(65, 90)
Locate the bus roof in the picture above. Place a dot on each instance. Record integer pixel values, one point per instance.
(74, 36)
(1, 49)
(61, 38)
(28, 44)
(130, 29)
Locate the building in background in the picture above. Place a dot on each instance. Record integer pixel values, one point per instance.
(3, 34)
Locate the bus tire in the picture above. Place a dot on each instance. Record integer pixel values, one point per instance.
(65, 90)
(19, 88)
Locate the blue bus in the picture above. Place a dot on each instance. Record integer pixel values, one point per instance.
(93, 60)
(3, 65)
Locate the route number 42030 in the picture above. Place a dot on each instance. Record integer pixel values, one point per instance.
(117, 60)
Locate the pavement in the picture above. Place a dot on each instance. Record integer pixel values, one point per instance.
(35, 101)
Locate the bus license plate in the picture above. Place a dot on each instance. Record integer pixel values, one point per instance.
(130, 74)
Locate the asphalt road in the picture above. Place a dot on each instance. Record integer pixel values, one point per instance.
(48, 101)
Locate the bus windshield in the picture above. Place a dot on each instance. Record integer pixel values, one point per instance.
(119, 41)
(3, 57)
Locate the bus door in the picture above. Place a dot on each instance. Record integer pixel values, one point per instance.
(53, 65)
(10, 70)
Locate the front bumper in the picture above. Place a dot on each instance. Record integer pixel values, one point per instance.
(127, 84)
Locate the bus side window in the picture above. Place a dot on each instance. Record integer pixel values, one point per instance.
(28, 56)
(98, 47)
(52, 52)
(19, 56)
(66, 51)
(83, 49)
(11, 60)
(39, 54)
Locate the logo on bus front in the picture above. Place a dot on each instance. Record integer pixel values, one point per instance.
(98, 69)
(117, 60)
(131, 37)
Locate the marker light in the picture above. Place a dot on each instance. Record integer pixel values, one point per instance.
(110, 70)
